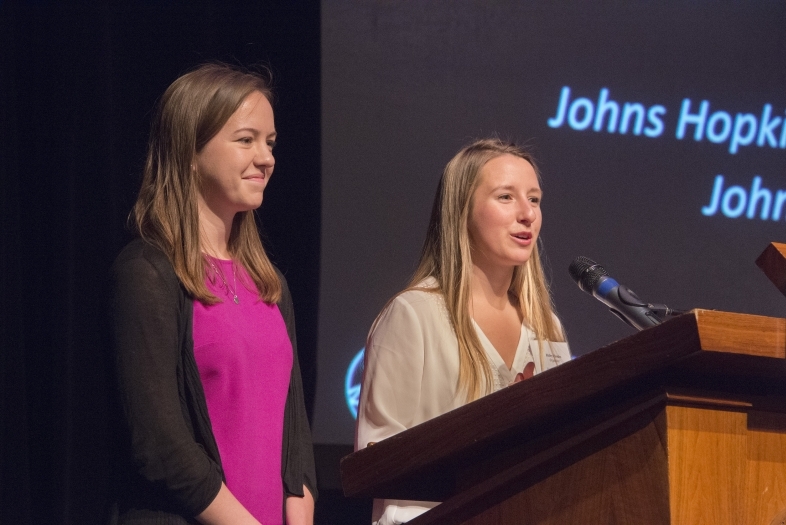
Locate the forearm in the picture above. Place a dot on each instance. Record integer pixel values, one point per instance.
(225, 509)
(300, 511)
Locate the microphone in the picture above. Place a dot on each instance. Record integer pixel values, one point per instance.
(593, 279)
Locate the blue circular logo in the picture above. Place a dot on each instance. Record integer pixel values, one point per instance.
(352, 383)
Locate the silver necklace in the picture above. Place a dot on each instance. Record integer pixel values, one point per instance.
(233, 291)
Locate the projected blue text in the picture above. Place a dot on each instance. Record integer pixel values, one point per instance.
(694, 120)
(735, 201)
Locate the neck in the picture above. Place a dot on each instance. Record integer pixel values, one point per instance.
(491, 284)
(214, 232)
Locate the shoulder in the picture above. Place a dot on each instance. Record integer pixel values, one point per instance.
(414, 311)
(423, 296)
(284, 284)
(138, 252)
(286, 297)
(142, 263)
(420, 302)
(285, 305)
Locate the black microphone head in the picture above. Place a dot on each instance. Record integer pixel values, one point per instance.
(586, 273)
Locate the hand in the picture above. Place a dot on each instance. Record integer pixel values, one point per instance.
(528, 372)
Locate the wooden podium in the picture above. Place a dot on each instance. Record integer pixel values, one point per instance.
(683, 423)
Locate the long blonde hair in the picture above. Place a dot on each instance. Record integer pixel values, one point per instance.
(447, 258)
(191, 112)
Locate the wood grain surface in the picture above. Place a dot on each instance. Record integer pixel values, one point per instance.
(742, 334)
(607, 486)
(619, 476)
(721, 471)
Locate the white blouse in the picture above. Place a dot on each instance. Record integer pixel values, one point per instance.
(411, 375)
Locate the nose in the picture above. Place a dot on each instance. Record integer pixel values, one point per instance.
(264, 158)
(526, 213)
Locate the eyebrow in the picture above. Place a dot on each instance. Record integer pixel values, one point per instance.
(255, 132)
(508, 187)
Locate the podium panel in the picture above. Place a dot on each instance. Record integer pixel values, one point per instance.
(724, 469)
(625, 482)
(687, 465)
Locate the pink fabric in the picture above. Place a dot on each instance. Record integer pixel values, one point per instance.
(244, 357)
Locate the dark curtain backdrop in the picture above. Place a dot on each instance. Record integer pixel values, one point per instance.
(78, 85)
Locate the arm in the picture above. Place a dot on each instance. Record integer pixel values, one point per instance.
(300, 510)
(225, 509)
(395, 392)
(392, 376)
(147, 333)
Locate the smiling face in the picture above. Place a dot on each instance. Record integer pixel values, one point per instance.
(236, 164)
(505, 215)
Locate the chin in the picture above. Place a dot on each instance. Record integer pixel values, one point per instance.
(520, 261)
(253, 204)
(247, 207)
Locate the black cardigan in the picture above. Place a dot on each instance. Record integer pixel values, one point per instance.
(168, 462)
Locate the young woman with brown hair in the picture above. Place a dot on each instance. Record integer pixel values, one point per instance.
(213, 426)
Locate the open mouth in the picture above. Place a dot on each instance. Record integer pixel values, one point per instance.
(524, 236)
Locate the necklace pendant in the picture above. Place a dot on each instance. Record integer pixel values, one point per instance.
(236, 299)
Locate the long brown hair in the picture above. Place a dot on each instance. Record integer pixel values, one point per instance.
(447, 258)
(191, 112)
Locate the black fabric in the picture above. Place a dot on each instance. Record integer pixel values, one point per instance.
(297, 465)
(168, 462)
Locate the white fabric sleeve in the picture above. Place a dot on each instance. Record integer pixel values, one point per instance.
(392, 376)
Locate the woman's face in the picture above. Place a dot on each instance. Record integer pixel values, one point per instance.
(505, 218)
(236, 164)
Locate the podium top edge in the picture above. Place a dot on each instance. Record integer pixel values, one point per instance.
(743, 334)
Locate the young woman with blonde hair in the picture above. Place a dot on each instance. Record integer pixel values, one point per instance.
(212, 424)
(477, 315)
